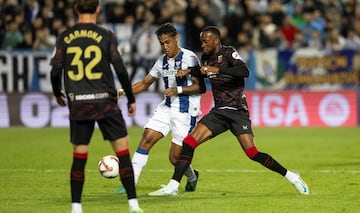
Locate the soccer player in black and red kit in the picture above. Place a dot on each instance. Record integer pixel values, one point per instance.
(83, 55)
(226, 71)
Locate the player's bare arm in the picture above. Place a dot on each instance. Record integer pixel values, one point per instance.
(182, 73)
(198, 86)
(142, 85)
(138, 87)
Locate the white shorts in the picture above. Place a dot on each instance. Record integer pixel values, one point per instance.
(166, 119)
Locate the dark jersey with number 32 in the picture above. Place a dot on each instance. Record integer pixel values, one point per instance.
(84, 53)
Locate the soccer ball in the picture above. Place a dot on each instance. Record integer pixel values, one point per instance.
(109, 166)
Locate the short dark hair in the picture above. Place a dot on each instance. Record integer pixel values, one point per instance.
(166, 29)
(214, 30)
(86, 6)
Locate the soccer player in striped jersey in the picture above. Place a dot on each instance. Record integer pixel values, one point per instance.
(226, 71)
(179, 110)
(82, 58)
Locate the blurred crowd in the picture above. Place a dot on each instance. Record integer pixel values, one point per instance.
(245, 24)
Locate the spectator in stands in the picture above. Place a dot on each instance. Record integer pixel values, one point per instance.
(325, 15)
(352, 40)
(248, 28)
(335, 41)
(309, 25)
(37, 24)
(27, 42)
(59, 10)
(116, 13)
(243, 45)
(225, 38)
(13, 36)
(297, 17)
(315, 40)
(56, 26)
(288, 31)
(47, 12)
(333, 17)
(235, 15)
(70, 16)
(260, 6)
(179, 6)
(269, 34)
(217, 11)
(277, 12)
(43, 39)
(139, 15)
(199, 21)
(32, 9)
(8, 9)
(299, 41)
(356, 19)
(319, 22)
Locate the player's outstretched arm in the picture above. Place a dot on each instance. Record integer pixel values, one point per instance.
(197, 87)
(194, 71)
(142, 85)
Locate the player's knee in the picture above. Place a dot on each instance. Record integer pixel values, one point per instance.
(146, 143)
(251, 152)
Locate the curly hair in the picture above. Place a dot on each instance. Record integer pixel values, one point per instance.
(166, 29)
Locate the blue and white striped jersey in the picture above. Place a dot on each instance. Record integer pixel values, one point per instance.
(166, 69)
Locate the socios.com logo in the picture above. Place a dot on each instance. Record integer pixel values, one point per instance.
(334, 109)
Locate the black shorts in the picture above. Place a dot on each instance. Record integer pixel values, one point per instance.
(220, 120)
(112, 128)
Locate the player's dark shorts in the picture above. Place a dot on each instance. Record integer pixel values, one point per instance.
(112, 128)
(221, 120)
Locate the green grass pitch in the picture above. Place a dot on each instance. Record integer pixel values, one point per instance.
(35, 164)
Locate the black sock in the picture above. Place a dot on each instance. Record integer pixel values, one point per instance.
(77, 178)
(269, 162)
(183, 162)
(127, 174)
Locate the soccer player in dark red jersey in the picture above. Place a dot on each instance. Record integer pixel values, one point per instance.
(83, 55)
(226, 71)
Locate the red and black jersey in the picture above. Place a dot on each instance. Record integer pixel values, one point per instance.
(83, 56)
(228, 85)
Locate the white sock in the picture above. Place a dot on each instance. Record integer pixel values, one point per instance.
(138, 162)
(76, 208)
(190, 174)
(291, 176)
(133, 203)
(173, 184)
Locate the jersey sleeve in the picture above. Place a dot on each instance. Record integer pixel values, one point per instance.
(193, 61)
(237, 67)
(156, 68)
(57, 58)
(56, 63)
(114, 52)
